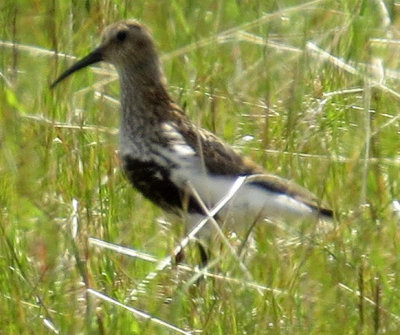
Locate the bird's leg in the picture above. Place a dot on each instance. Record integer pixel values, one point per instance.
(204, 254)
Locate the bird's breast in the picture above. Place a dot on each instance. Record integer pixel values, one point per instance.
(155, 182)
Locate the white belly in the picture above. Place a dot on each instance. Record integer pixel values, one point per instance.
(249, 204)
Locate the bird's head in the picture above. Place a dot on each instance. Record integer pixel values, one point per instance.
(124, 44)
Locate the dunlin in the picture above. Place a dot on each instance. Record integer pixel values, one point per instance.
(163, 151)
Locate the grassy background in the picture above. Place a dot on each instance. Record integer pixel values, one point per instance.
(309, 90)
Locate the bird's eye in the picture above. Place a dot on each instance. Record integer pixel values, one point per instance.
(121, 36)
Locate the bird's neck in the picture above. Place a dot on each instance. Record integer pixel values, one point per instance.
(143, 88)
(144, 105)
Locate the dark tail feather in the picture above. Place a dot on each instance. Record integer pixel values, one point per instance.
(324, 212)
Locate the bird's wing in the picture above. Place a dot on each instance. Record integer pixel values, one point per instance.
(220, 158)
(284, 186)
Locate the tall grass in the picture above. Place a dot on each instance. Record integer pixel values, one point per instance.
(308, 90)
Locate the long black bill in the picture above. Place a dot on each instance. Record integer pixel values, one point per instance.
(93, 57)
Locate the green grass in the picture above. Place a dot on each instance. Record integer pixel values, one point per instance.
(315, 85)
